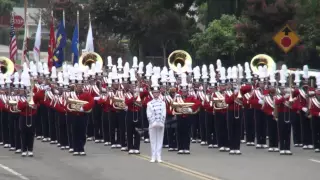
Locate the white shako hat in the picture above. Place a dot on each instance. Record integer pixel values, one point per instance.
(229, 73)
(184, 83)
(272, 78)
(16, 79)
(234, 74)
(60, 78)
(86, 73)
(204, 72)
(297, 78)
(65, 80)
(189, 68)
(247, 70)
(40, 68)
(72, 75)
(133, 78)
(114, 75)
(223, 75)
(53, 73)
(26, 79)
(219, 65)
(212, 72)
(318, 80)
(8, 80)
(179, 70)
(148, 70)
(109, 80)
(135, 63)
(79, 77)
(46, 70)
(260, 73)
(171, 78)
(119, 65)
(156, 71)
(140, 70)
(164, 75)
(154, 84)
(2, 83)
(109, 65)
(125, 75)
(305, 74)
(99, 67)
(25, 66)
(196, 74)
(92, 70)
(211, 69)
(240, 71)
(33, 70)
(283, 76)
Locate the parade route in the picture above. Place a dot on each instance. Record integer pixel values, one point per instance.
(103, 163)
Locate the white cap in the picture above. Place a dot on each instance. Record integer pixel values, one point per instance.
(283, 79)
(196, 73)
(86, 72)
(305, 72)
(45, 69)
(204, 72)
(98, 68)
(40, 68)
(223, 74)
(16, 78)
(318, 80)
(172, 79)
(135, 62)
(120, 63)
(179, 69)
(219, 65)
(114, 73)
(247, 70)
(65, 79)
(240, 71)
(234, 73)
(132, 75)
(184, 82)
(164, 75)
(109, 61)
(148, 70)
(189, 67)
(154, 82)
(156, 71)
(60, 77)
(297, 77)
(126, 70)
(53, 72)
(272, 78)
(229, 71)
(141, 65)
(8, 79)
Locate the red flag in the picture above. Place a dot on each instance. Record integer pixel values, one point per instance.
(51, 45)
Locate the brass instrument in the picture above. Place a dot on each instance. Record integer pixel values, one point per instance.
(183, 108)
(13, 106)
(261, 60)
(6, 66)
(219, 103)
(138, 101)
(179, 57)
(76, 105)
(119, 103)
(30, 97)
(275, 109)
(88, 58)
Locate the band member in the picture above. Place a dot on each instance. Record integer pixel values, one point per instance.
(146, 98)
(220, 110)
(257, 101)
(133, 102)
(5, 114)
(2, 104)
(183, 115)
(79, 116)
(268, 109)
(295, 112)
(156, 113)
(315, 112)
(282, 114)
(28, 107)
(201, 116)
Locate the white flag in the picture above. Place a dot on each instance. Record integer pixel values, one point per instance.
(37, 43)
(89, 43)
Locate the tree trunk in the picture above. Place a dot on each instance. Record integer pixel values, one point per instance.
(141, 52)
(164, 52)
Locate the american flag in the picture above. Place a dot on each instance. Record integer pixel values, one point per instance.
(13, 41)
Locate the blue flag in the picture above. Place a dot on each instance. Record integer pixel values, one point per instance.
(61, 41)
(75, 45)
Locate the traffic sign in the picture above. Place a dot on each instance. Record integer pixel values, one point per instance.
(18, 22)
(286, 38)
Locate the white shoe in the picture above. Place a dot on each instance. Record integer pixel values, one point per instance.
(62, 148)
(131, 151)
(186, 152)
(6, 146)
(222, 149)
(67, 147)
(282, 152)
(38, 137)
(83, 153)
(12, 149)
(76, 153)
(58, 145)
(30, 154)
(152, 160)
(170, 149)
(248, 143)
(113, 146)
(96, 141)
(24, 154)
(159, 160)
(317, 150)
(305, 147)
(288, 152)
(101, 141)
(270, 149)
(180, 152)
(296, 145)
(310, 146)
(1, 143)
(70, 150)
(215, 146)
(89, 139)
(243, 141)
(146, 140)
(252, 143)
(276, 149)
(193, 141)
(203, 143)
(238, 152)
(265, 146)
(118, 146)
(227, 149)
(231, 152)
(210, 146)
(136, 152)
(258, 146)
(18, 151)
(166, 146)
(124, 149)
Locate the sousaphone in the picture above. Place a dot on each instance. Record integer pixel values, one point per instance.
(179, 57)
(88, 58)
(6, 66)
(262, 60)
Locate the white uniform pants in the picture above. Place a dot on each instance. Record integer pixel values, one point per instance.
(156, 139)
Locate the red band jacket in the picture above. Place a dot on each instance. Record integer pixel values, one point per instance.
(85, 96)
(230, 100)
(219, 110)
(315, 107)
(25, 109)
(130, 103)
(279, 102)
(268, 106)
(105, 104)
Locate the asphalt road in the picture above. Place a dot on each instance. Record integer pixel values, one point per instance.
(103, 163)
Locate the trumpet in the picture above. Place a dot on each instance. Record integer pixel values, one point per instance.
(75, 105)
(30, 97)
(119, 103)
(13, 106)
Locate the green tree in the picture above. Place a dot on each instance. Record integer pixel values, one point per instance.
(218, 40)
(6, 7)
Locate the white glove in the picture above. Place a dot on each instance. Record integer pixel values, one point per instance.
(56, 91)
(81, 109)
(286, 96)
(46, 87)
(96, 98)
(141, 89)
(304, 109)
(189, 110)
(236, 91)
(261, 102)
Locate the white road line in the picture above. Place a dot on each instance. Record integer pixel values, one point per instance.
(314, 160)
(13, 172)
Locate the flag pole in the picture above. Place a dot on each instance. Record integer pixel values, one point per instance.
(78, 33)
(64, 25)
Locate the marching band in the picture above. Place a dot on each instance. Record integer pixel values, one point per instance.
(220, 108)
